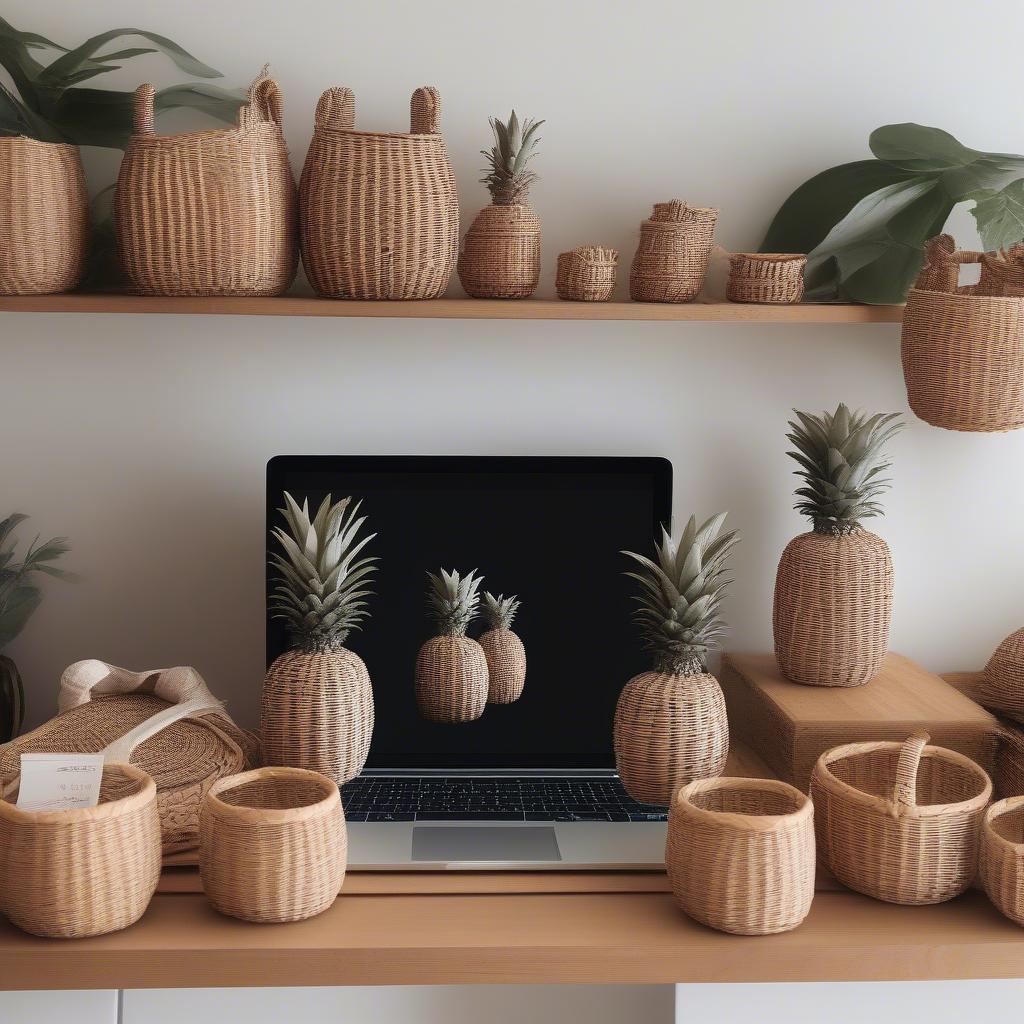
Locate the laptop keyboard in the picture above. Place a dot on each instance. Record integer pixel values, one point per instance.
(430, 798)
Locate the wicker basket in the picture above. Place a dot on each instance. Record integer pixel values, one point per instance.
(506, 665)
(209, 213)
(900, 821)
(273, 845)
(87, 871)
(587, 274)
(1002, 857)
(379, 211)
(500, 255)
(767, 278)
(740, 854)
(451, 679)
(1001, 687)
(674, 253)
(44, 217)
(1008, 774)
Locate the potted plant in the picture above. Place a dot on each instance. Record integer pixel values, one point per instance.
(833, 591)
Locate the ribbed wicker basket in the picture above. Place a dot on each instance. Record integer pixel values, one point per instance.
(1001, 687)
(900, 821)
(1009, 766)
(209, 213)
(506, 665)
(273, 845)
(379, 211)
(587, 274)
(1002, 857)
(767, 278)
(740, 854)
(500, 255)
(44, 217)
(451, 679)
(674, 252)
(88, 871)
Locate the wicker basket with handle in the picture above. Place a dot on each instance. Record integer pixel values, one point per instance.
(766, 278)
(209, 213)
(1002, 857)
(900, 821)
(587, 274)
(674, 252)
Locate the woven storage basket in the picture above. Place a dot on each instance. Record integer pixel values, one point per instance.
(766, 278)
(44, 217)
(1002, 857)
(379, 211)
(209, 213)
(451, 679)
(272, 845)
(900, 821)
(740, 854)
(1001, 687)
(674, 253)
(87, 871)
(500, 255)
(587, 274)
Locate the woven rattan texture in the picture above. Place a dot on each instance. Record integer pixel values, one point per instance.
(1008, 774)
(1001, 687)
(317, 713)
(587, 274)
(506, 665)
(1002, 857)
(767, 278)
(70, 874)
(451, 679)
(740, 854)
(500, 255)
(833, 606)
(669, 730)
(900, 822)
(44, 217)
(674, 252)
(273, 845)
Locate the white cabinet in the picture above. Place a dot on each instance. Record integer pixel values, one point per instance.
(58, 1008)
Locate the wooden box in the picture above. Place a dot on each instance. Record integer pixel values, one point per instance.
(791, 725)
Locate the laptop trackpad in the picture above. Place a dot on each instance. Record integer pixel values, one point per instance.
(475, 842)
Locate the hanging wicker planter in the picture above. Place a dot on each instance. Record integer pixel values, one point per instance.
(766, 278)
(44, 217)
(587, 274)
(1002, 857)
(674, 252)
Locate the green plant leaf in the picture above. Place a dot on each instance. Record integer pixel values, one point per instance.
(218, 102)
(16, 610)
(918, 148)
(12, 700)
(23, 68)
(10, 523)
(1000, 215)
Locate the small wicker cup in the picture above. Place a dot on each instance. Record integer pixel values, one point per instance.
(88, 871)
(1002, 857)
(587, 274)
(900, 821)
(766, 277)
(740, 854)
(272, 845)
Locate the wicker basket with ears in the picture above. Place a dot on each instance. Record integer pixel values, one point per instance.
(1002, 857)
(767, 278)
(900, 821)
(587, 274)
(740, 854)
(674, 252)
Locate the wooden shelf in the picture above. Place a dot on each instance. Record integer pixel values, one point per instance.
(458, 309)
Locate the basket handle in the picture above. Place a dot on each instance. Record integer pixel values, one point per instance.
(143, 120)
(264, 104)
(425, 111)
(904, 795)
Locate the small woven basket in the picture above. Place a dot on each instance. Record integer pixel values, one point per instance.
(587, 274)
(500, 255)
(900, 821)
(740, 854)
(674, 252)
(1001, 687)
(1002, 857)
(272, 845)
(767, 278)
(451, 681)
(87, 871)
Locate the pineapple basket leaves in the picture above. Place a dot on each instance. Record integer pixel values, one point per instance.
(453, 601)
(508, 176)
(503, 649)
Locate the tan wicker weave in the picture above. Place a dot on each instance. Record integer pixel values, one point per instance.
(209, 213)
(506, 665)
(767, 278)
(500, 255)
(451, 679)
(317, 713)
(669, 730)
(832, 609)
(44, 217)
(1002, 273)
(273, 845)
(1009, 762)
(1002, 857)
(379, 211)
(1001, 686)
(587, 274)
(900, 821)
(87, 871)
(674, 253)
(740, 854)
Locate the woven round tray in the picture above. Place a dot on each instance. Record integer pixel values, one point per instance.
(1002, 857)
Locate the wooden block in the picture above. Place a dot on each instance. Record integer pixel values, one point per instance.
(791, 725)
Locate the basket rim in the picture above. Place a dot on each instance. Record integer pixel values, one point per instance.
(1012, 301)
(997, 810)
(252, 815)
(769, 257)
(411, 136)
(754, 822)
(210, 135)
(11, 139)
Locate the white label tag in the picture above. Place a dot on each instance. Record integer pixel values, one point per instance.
(59, 782)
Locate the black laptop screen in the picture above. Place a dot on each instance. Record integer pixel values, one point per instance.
(547, 529)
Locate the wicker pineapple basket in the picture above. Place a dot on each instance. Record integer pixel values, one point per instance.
(766, 278)
(900, 821)
(451, 679)
(272, 845)
(587, 274)
(740, 854)
(674, 252)
(1002, 857)
(500, 255)
(87, 871)
(209, 213)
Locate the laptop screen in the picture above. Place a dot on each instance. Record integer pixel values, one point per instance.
(549, 530)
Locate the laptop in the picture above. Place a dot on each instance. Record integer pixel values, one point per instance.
(531, 784)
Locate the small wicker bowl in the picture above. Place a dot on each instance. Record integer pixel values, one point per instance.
(766, 277)
(587, 274)
(1002, 857)
(740, 854)
(272, 844)
(900, 821)
(81, 872)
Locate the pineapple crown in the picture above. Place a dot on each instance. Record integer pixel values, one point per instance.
(501, 610)
(840, 461)
(453, 600)
(321, 584)
(507, 176)
(681, 594)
